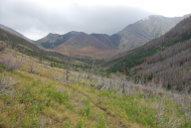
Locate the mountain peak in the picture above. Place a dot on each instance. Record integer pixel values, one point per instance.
(52, 35)
(144, 30)
(156, 16)
(75, 33)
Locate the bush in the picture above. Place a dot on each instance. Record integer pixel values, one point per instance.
(10, 62)
(6, 81)
(32, 68)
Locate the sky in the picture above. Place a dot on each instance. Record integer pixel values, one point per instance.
(36, 18)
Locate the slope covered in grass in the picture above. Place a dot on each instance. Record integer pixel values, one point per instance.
(43, 98)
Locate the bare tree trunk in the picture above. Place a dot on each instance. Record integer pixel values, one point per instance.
(32, 68)
(68, 63)
(67, 75)
(159, 113)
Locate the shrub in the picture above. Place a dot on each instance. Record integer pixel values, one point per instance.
(80, 124)
(6, 81)
(32, 68)
(10, 62)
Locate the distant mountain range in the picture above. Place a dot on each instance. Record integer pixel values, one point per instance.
(103, 45)
(80, 43)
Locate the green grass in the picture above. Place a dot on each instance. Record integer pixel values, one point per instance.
(40, 100)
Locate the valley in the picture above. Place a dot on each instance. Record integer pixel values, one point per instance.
(139, 77)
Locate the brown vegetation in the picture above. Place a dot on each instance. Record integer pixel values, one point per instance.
(10, 61)
(86, 51)
(6, 81)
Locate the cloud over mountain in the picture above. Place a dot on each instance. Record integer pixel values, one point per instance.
(35, 20)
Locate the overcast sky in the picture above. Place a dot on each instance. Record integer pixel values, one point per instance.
(37, 18)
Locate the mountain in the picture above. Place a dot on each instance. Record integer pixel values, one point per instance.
(53, 40)
(14, 32)
(103, 45)
(80, 43)
(165, 60)
(142, 31)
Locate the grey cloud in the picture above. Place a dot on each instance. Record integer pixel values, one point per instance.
(24, 16)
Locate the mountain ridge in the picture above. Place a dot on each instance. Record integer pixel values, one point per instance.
(132, 36)
(80, 43)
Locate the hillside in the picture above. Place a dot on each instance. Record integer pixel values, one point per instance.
(142, 31)
(88, 45)
(166, 59)
(14, 32)
(53, 40)
(9, 40)
(43, 97)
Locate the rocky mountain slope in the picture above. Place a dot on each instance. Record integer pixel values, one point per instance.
(142, 31)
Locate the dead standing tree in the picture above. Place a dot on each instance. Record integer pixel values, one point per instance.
(68, 63)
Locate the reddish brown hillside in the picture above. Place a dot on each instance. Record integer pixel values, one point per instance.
(87, 45)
